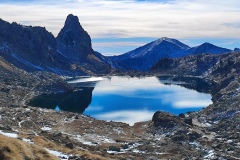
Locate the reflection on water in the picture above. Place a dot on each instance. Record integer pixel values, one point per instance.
(130, 100)
(76, 101)
(200, 85)
(57, 108)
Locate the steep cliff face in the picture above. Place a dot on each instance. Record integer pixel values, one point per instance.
(35, 49)
(73, 41)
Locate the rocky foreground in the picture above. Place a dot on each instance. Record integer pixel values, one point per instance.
(77, 136)
(29, 69)
(212, 133)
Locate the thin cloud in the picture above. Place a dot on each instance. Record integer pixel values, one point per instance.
(130, 18)
(120, 44)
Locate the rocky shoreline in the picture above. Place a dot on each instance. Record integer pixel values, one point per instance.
(165, 137)
(207, 134)
(212, 133)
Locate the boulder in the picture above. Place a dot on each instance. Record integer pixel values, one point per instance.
(69, 145)
(188, 121)
(114, 148)
(124, 146)
(181, 115)
(194, 136)
(165, 120)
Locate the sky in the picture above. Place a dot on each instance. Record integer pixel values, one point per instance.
(118, 26)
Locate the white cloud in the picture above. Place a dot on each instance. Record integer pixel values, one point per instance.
(104, 18)
(126, 116)
(195, 103)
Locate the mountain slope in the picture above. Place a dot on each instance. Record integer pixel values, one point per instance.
(143, 58)
(74, 43)
(208, 48)
(36, 49)
(27, 47)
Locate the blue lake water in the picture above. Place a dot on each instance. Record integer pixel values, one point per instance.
(132, 100)
(127, 99)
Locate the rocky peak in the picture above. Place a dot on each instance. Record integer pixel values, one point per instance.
(73, 36)
(72, 23)
(209, 48)
(237, 50)
(206, 44)
(171, 40)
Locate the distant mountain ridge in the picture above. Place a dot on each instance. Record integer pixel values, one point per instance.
(36, 49)
(144, 57)
(71, 53)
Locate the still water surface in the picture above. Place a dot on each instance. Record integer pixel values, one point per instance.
(129, 100)
(132, 99)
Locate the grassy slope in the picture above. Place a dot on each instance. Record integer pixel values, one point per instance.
(15, 149)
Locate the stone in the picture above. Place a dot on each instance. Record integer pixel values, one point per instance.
(114, 148)
(165, 120)
(181, 115)
(125, 146)
(69, 145)
(188, 121)
(194, 136)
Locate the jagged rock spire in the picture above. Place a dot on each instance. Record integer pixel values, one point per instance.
(74, 36)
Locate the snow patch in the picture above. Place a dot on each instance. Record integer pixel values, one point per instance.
(12, 135)
(210, 155)
(46, 128)
(93, 139)
(91, 79)
(229, 141)
(119, 131)
(114, 152)
(137, 151)
(80, 139)
(61, 155)
(27, 140)
(193, 144)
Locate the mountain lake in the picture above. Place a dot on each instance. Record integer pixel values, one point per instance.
(129, 99)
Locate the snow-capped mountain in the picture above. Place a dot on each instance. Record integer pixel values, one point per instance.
(143, 58)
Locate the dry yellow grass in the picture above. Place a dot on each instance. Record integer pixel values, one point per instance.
(42, 141)
(5, 65)
(15, 149)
